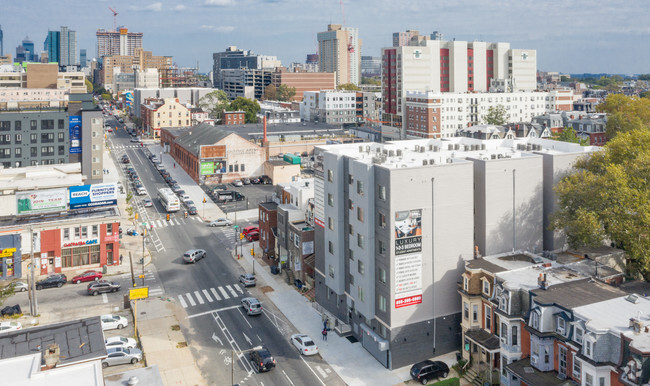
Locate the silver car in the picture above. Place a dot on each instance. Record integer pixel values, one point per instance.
(121, 356)
(247, 279)
(193, 255)
(252, 306)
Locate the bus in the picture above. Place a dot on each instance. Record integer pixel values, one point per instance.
(169, 200)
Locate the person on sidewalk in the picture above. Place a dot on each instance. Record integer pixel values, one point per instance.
(324, 334)
(121, 258)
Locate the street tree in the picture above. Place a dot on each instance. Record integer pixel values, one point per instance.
(625, 113)
(214, 103)
(496, 115)
(106, 96)
(249, 106)
(286, 93)
(569, 135)
(89, 86)
(607, 199)
(348, 86)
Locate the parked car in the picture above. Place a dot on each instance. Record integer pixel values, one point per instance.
(120, 356)
(237, 183)
(246, 181)
(427, 370)
(247, 279)
(111, 322)
(147, 202)
(255, 180)
(56, 280)
(170, 180)
(253, 236)
(249, 229)
(10, 326)
(120, 341)
(252, 306)
(261, 360)
(125, 160)
(19, 286)
(175, 188)
(192, 210)
(220, 222)
(304, 344)
(160, 167)
(102, 287)
(221, 187)
(87, 276)
(193, 255)
(266, 180)
(181, 193)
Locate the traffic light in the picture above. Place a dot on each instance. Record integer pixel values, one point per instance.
(185, 214)
(167, 216)
(204, 200)
(241, 236)
(136, 216)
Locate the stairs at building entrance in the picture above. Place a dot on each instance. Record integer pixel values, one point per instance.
(472, 377)
(291, 278)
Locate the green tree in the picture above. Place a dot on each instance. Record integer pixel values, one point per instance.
(214, 103)
(607, 199)
(371, 81)
(496, 115)
(89, 86)
(569, 135)
(286, 93)
(271, 93)
(644, 77)
(625, 113)
(106, 96)
(348, 86)
(249, 106)
(645, 94)
(565, 78)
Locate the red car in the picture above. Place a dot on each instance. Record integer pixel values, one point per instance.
(87, 276)
(253, 236)
(250, 229)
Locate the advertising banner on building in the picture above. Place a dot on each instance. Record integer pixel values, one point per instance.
(213, 167)
(75, 134)
(128, 97)
(408, 280)
(41, 201)
(92, 196)
(408, 231)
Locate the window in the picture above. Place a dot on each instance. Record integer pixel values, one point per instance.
(534, 349)
(84, 232)
(95, 231)
(33, 124)
(381, 219)
(466, 310)
(61, 137)
(382, 303)
(465, 283)
(47, 124)
(488, 318)
(588, 348)
(361, 294)
(77, 232)
(561, 325)
(33, 138)
(109, 229)
(361, 240)
(514, 335)
(360, 214)
(330, 223)
(589, 379)
(486, 287)
(351, 254)
(19, 139)
(382, 275)
(578, 335)
(577, 367)
(534, 320)
(350, 179)
(360, 189)
(350, 205)
(18, 152)
(474, 312)
(331, 272)
(546, 354)
(330, 176)
(502, 303)
(351, 229)
(360, 267)
(382, 247)
(18, 125)
(330, 199)
(66, 233)
(330, 247)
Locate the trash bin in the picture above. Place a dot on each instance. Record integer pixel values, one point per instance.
(104, 269)
(274, 269)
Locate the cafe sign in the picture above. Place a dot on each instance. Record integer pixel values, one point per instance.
(7, 252)
(80, 243)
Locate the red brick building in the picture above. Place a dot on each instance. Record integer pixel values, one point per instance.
(267, 222)
(234, 117)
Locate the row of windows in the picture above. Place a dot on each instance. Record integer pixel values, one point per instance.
(46, 124)
(82, 232)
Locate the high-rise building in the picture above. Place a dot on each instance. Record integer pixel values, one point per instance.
(370, 66)
(450, 66)
(52, 42)
(121, 42)
(141, 60)
(339, 51)
(28, 45)
(403, 38)
(68, 48)
(2, 45)
(82, 57)
(234, 58)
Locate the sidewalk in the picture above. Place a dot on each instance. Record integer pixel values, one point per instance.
(350, 361)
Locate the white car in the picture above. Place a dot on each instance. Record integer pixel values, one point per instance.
(304, 344)
(10, 326)
(19, 286)
(111, 322)
(184, 197)
(220, 222)
(120, 341)
(237, 183)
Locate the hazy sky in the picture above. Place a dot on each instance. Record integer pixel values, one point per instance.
(573, 36)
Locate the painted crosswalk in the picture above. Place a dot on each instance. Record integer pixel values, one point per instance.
(173, 222)
(210, 295)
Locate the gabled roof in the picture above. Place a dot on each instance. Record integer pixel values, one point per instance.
(202, 134)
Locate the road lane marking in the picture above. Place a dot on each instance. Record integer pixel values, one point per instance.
(216, 295)
(312, 370)
(246, 320)
(224, 293)
(189, 297)
(321, 371)
(210, 312)
(105, 298)
(235, 347)
(198, 297)
(288, 379)
(232, 291)
(238, 289)
(207, 295)
(182, 301)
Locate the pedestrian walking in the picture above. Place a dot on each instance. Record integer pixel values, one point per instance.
(324, 334)
(121, 258)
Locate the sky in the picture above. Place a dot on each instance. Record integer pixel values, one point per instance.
(575, 36)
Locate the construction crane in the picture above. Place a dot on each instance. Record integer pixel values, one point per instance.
(114, 19)
(350, 45)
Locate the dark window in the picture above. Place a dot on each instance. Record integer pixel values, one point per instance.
(61, 137)
(61, 124)
(61, 150)
(18, 125)
(33, 138)
(18, 152)
(242, 168)
(230, 168)
(33, 124)
(5, 139)
(5, 125)
(47, 124)
(47, 137)
(6, 165)
(33, 152)
(19, 138)
(236, 167)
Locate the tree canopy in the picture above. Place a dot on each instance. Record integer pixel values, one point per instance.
(496, 115)
(607, 199)
(214, 103)
(281, 93)
(348, 86)
(249, 106)
(89, 86)
(569, 135)
(625, 113)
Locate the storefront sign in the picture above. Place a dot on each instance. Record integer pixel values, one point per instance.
(112, 239)
(138, 293)
(91, 196)
(7, 252)
(80, 243)
(408, 280)
(408, 231)
(40, 201)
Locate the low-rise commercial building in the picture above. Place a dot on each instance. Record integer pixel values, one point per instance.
(165, 113)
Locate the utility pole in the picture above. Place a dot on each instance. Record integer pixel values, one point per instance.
(132, 274)
(144, 233)
(232, 367)
(32, 285)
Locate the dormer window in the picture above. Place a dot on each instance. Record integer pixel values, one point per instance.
(486, 287)
(561, 326)
(534, 320)
(502, 303)
(578, 335)
(588, 348)
(465, 283)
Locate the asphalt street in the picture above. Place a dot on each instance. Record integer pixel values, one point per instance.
(216, 328)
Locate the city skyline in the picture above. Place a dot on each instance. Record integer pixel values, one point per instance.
(569, 38)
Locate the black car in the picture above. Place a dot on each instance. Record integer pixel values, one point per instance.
(221, 187)
(255, 180)
(427, 370)
(261, 360)
(266, 180)
(192, 210)
(56, 280)
(102, 287)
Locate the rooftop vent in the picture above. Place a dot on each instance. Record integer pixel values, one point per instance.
(632, 299)
(391, 153)
(425, 162)
(399, 153)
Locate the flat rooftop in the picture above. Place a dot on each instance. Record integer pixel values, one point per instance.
(42, 220)
(576, 293)
(422, 152)
(40, 177)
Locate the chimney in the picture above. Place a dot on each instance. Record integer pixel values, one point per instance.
(51, 356)
(541, 281)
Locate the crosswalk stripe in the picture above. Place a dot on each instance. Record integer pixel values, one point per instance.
(214, 292)
(232, 291)
(189, 297)
(176, 221)
(224, 293)
(238, 289)
(198, 297)
(207, 295)
(182, 301)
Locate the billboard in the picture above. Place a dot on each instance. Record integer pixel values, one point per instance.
(212, 167)
(75, 134)
(41, 201)
(92, 196)
(128, 97)
(408, 280)
(408, 231)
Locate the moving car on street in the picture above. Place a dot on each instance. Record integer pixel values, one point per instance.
(111, 322)
(304, 344)
(102, 287)
(193, 255)
(121, 356)
(87, 276)
(147, 202)
(56, 280)
(252, 306)
(261, 360)
(247, 279)
(220, 222)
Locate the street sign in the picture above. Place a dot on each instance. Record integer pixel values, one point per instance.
(235, 226)
(138, 293)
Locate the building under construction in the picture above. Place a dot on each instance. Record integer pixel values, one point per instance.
(175, 76)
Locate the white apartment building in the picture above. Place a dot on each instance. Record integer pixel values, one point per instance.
(429, 114)
(336, 107)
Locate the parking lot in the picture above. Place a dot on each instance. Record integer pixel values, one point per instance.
(254, 195)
